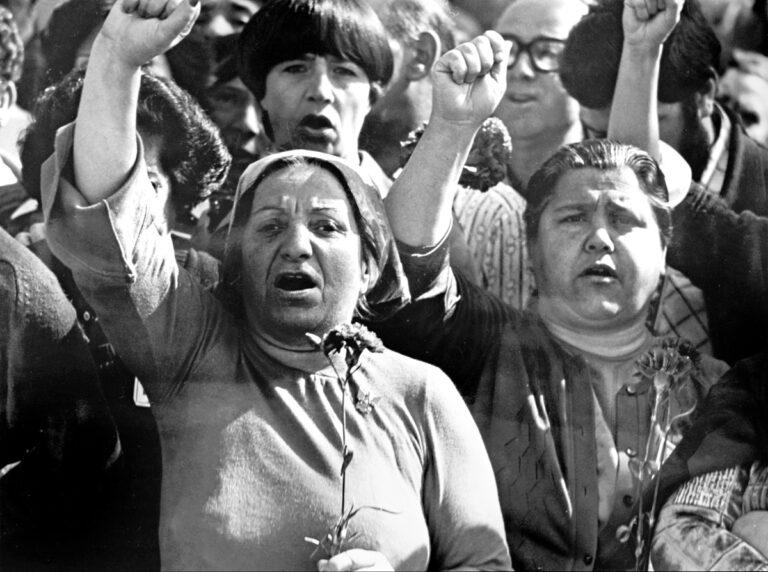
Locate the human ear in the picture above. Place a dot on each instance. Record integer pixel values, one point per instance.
(426, 51)
(7, 100)
(368, 275)
(705, 99)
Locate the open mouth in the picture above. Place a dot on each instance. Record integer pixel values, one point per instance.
(295, 281)
(318, 122)
(601, 271)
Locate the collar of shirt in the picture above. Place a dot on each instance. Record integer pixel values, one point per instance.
(713, 177)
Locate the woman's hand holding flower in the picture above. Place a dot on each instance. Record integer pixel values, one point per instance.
(355, 559)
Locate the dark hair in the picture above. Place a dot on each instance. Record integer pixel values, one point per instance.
(70, 25)
(230, 287)
(225, 53)
(604, 155)
(590, 64)
(11, 47)
(193, 154)
(287, 29)
(406, 19)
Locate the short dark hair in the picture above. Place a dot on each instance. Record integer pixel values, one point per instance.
(287, 29)
(11, 47)
(605, 155)
(590, 64)
(70, 25)
(406, 19)
(193, 154)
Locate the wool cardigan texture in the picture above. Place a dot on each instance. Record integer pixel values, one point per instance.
(533, 402)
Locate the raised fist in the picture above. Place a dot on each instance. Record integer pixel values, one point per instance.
(470, 80)
(138, 30)
(649, 22)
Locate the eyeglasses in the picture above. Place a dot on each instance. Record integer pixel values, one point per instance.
(543, 52)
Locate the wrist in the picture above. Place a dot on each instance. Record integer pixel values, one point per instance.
(106, 54)
(640, 53)
(451, 133)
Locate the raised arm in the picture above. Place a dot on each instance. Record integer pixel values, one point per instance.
(634, 111)
(469, 82)
(105, 137)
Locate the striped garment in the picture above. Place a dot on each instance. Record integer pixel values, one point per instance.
(495, 232)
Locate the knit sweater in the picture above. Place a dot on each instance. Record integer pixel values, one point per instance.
(534, 399)
(57, 438)
(252, 444)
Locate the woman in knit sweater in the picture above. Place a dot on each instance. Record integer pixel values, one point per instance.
(574, 427)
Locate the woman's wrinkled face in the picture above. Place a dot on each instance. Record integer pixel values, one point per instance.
(317, 102)
(598, 255)
(302, 256)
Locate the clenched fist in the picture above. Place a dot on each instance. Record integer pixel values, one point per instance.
(138, 30)
(470, 80)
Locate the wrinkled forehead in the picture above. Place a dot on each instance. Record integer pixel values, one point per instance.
(528, 19)
(592, 188)
(300, 184)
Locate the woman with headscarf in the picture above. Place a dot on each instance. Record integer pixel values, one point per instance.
(253, 421)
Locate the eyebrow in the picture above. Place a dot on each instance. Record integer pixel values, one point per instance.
(318, 209)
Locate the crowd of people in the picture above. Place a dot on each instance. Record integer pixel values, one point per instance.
(384, 284)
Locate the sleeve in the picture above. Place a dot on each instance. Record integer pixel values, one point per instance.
(156, 316)
(57, 437)
(736, 289)
(460, 497)
(451, 322)
(693, 531)
(495, 233)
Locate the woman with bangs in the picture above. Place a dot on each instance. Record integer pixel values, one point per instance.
(316, 67)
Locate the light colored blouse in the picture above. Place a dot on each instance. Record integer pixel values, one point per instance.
(251, 445)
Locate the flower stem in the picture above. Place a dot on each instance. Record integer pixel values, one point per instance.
(344, 445)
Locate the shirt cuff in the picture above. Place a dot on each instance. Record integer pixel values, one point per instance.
(96, 238)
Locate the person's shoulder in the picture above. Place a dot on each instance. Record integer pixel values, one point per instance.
(400, 370)
(712, 369)
(32, 289)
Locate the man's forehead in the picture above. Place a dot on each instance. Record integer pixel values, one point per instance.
(531, 18)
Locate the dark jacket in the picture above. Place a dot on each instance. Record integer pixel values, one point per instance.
(726, 255)
(745, 187)
(58, 442)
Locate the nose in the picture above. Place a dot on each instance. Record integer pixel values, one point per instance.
(219, 26)
(297, 244)
(599, 240)
(320, 88)
(245, 120)
(523, 69)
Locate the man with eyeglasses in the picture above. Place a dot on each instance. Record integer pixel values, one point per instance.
(536, 109)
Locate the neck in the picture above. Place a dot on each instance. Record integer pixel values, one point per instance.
(528, 154)
(613, 343)
(298, 354)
